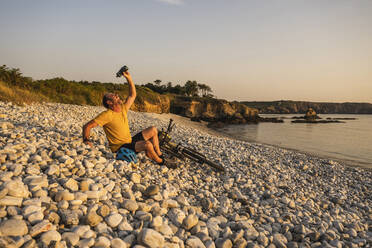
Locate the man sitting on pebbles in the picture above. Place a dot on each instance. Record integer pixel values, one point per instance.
(115, 124)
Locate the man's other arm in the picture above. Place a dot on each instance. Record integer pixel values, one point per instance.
(86, 132)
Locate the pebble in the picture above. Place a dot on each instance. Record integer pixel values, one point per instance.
(84, 185)
(114, 220)
(279, 240)
(86, 242)
(151, 190)
(190, 221)
(16, 188)
(104, 210)
(223, 243)
(71, 238)
(64, 196)
(69, 217)
(157, 221)
(3, 192)
(81, 229)
(176, 216)
(13, 227)
(40, 227)
(50, 236)
(135, 178)
(151, 238)
(93, 219)
(194, 242)
(130, 205)
(11, 201)
(118, 243)
(71, 184)
(102, 241)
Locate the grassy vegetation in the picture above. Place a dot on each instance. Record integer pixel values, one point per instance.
(18, 95)
(16, 88)
(19, 89)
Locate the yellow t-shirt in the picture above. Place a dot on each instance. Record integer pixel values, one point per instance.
(116, 127)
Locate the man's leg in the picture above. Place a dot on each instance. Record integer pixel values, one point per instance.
(148, 147)
(151, 134)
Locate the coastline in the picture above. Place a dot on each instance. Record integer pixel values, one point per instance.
(70, 193)
(202, 126)
(345, 162)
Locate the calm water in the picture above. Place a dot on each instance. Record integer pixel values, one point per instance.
(350, 141)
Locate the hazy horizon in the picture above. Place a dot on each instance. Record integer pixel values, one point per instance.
(244, 50)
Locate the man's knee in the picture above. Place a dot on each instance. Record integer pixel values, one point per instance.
(148, 145)
(149, 132)
(154, 130)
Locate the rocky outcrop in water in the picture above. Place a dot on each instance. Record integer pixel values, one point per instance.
(312, 117)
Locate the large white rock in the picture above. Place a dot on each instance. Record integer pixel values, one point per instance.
(13, 227)
(16, 188)
(194, 242)
(190, 221)
(130, 205)
(41, 227)
(11, 201)
(50, 236)
(114, 220)
(71, 184)
(102, 242)
(176, 216)
(71, 238)
(41, 181)
(118, 243)
(151, 238)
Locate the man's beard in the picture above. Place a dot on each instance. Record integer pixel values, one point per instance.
(119, 101)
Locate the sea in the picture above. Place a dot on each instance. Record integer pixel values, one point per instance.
(349, 142)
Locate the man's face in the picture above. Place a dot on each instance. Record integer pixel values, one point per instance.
(115, 99)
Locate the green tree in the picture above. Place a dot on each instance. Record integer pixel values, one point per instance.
(157, 82)
(205, 89)
(169, 86)
(4, 74)
(178, 89)
(191, 88)
(14, 77)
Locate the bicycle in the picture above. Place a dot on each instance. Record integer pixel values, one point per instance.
(182, 152)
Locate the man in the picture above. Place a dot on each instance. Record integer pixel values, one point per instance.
(115, 124)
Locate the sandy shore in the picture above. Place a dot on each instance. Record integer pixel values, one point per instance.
(55, 191)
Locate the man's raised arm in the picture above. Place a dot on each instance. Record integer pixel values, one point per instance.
(132, 91)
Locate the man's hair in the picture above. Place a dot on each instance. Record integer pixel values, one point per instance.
(105, 98)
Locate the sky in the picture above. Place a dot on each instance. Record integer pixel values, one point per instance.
(245, 50)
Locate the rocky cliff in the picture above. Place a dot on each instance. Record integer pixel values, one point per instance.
(158, 104)
(213, 110)
(299, 107)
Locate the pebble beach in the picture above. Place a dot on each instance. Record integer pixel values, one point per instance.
(57, 192)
